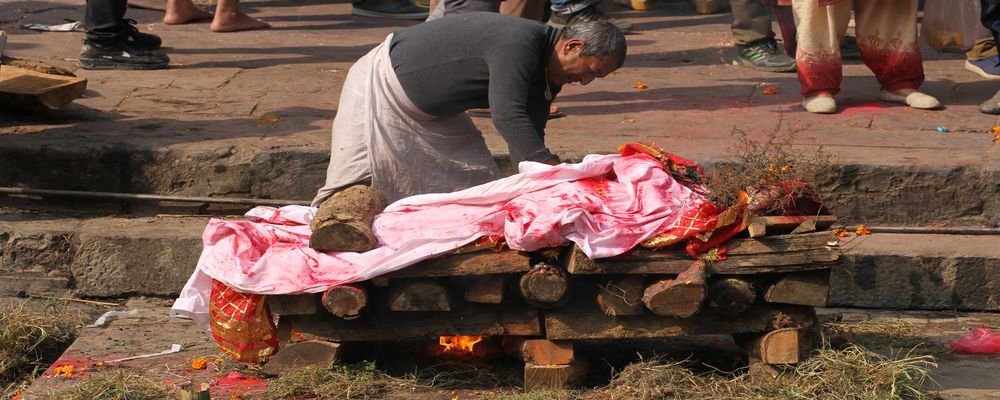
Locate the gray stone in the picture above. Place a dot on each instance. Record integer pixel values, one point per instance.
(936, 272)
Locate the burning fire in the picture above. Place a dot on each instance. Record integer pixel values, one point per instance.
(459, 344)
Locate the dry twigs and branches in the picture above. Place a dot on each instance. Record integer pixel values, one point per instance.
(767, 163)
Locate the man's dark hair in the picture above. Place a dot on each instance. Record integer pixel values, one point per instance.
(600, 38)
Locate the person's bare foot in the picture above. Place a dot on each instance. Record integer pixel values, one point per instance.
(183, 11)
(237, 21)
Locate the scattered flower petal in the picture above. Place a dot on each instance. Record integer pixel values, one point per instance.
(640, 85)
(863, 230)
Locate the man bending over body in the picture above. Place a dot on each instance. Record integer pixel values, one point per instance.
(401, 127)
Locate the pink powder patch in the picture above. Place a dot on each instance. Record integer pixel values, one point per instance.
(865, 108)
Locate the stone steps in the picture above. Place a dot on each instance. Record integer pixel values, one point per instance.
(113, 257)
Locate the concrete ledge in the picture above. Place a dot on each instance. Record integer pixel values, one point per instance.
(930, 272)
(909, 195)
(103, 257)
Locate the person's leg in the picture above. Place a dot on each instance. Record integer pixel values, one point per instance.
(754, 38)
(818, 54)
(452, 7)
(982, 59)
(390, 9)
(104, 21)
(887, 39)
(183, 11)
(751, 22)
(527, 9)
(346, 202)
(989, 14)
(229, 18)
(566, 11)
(112, 43)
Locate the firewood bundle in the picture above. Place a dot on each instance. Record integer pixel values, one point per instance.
(762, 293)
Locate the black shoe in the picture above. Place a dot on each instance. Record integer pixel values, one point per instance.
(765, 55)
(141, 40)
(391, 9)
(591, 13)
(121, 55)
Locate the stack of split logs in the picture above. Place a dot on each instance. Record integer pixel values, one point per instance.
(763, 293)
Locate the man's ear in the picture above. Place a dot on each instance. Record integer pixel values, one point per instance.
(572, 45)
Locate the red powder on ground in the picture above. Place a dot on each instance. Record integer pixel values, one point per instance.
(245, 383)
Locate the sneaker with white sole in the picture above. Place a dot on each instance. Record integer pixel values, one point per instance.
(765, 55)
(821, 104)
(121, 55)
(988, 68)
(919, 100)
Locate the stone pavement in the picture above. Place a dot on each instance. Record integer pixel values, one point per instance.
(248, 114)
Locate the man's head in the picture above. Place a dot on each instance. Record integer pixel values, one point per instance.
(586, 50)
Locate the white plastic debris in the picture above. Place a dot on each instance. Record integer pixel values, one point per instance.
(174, 348)
(103, 319)
(67, 27)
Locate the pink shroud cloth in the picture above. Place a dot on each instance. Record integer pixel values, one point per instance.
(606, 204)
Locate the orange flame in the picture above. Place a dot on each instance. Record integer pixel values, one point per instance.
(459, 344)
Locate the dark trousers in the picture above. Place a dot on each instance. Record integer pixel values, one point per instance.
(463, 6)
(104, 20)
(751, 22)
(989, 14)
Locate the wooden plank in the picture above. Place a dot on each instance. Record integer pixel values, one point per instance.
(757, 229)
(292, 304)
(21, 87)
(485, 289)
(745, 256)
(479, 263)
(731, 295)
(680, 297)
(595, 325)
(807, 288)
(554, 377)
(771, 263)
(788, 223)
(778, 347)
(346, 301)
(539, 351)
(544, 285)
(420, 295)
(622, 296)
(471, 320)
